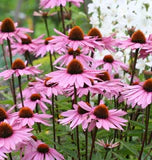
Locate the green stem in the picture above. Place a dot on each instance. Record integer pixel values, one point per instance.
(146, 131)
(62, 17)
(20, 88)
(53, 119)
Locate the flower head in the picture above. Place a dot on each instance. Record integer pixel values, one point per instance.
(78, 115)
(19, 68)
(140, 94)
(11, 135)
(74, 74)
(76, 39)
(27, 117)
(41, 151)
(102, 117)
(9, 30)
(107, 145)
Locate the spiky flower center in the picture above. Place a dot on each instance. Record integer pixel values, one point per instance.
(138, 37)
(75, 67)
(53, 84)
(35, 97)
(104, 76)
(43, 148)
(108, 58)
(25, 112)
(34, 138)
(3, 114)
(74, 53)
(7, 25)
(27, 40)
(76, 33)
(147, 86)
(46, 42)
(5, 130)
(94, 32)
(101, 111)
(18, 64)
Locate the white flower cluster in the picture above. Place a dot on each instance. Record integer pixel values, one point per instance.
(119, 15)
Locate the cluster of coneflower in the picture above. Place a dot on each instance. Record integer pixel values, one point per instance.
(98, 96)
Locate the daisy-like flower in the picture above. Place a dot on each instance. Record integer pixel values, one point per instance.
(26, 45)
(107, 42)
(19, 68)
(140, 94)
(9, 30)
(102, 117)
(53, 3)
(78, 115)
(74, 74)
(107, 145)
(48, 89)
(36, 99)
(137, 41)
(11, 135)
(43, 14)
(107, 85)
(80, 55)
(76, 39)
(108, 63)
(48, 46)
(41, 151)
(6, 115)
(27, 117)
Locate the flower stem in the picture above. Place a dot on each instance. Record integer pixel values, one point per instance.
(53, 119)
(46, 26)
(13, 83)
(134, 66)
(106, 154)
(6, 65)
(62, 17)
(38, 124)
(10, 156)
(93, 142)
(86, 144)
(146, 131)
(51, 61)
(77, 128)
(20, 87)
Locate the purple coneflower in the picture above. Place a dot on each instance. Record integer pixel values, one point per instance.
(140, 94)
(48, 46)
(80, 55)
(76, 39)
(26, 45)
(27, 117)
(9, 30)
(107, 145)
(78, 115)
(19, 68)
(41, 151)
(102, 117)
(11, 135)
(108, 63)
(36, 99)
(74, 74)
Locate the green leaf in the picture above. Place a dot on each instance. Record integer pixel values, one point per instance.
(129, 147)
(118, 156)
